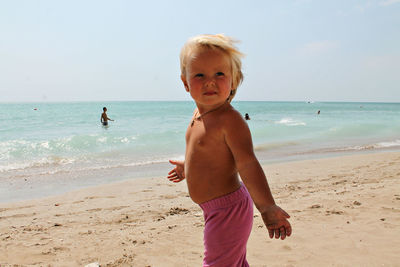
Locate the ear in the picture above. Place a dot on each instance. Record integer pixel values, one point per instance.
(183, 78)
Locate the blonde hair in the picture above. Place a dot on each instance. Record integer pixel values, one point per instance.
(215, 41)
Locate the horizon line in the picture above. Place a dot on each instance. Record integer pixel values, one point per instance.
(108, 101)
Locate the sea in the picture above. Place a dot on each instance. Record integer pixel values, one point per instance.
(51, 148)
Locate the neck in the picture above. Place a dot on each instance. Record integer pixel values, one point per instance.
(198, 117)
(201, 111)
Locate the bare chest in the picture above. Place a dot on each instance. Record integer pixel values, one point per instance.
(204, 139)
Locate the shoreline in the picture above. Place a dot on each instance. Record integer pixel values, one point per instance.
(344, 212)
(25, 188)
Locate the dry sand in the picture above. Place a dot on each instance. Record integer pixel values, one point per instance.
(345, 212)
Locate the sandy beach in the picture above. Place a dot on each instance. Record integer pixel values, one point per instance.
(345, 211)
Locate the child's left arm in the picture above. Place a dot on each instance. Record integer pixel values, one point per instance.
(238, 138)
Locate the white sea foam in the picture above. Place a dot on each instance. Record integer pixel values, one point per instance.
(51, 161)
(379, 145)
(389, 144)
(290, 122)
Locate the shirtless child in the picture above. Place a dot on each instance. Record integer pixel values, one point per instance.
(218, 149)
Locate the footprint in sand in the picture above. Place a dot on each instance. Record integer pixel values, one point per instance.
(160, 218)
(336, 212)
(339, 182)
(176, 210)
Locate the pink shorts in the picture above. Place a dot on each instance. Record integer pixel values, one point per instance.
(228, 223)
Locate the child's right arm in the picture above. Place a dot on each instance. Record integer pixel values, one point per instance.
(177, 174)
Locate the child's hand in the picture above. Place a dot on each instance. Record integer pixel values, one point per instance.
(276, 221)
(177, 174)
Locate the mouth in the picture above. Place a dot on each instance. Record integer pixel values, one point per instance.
(210, 93)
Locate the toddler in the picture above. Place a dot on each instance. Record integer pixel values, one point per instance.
(218, 149)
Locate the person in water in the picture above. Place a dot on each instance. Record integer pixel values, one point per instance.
(104, 118)
(218, 149)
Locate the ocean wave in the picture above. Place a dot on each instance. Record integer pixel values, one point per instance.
(55, 165)
(379, 145)
(395, 144)
(24, 149)
(47, 162)
(290, 122)
(124, 165)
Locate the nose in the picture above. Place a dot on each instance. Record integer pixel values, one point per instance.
(210, 82)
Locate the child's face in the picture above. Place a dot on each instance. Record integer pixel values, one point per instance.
(208, 77)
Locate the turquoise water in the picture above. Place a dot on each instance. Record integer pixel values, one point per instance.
(62, 146)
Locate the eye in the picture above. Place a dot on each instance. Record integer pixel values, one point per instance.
(199, 75)
(220, 74)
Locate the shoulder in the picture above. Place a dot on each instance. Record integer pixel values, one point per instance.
(236, 132)
(233, 121)
(233, 114)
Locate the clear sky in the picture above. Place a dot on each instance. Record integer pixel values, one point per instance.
(96, 50)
